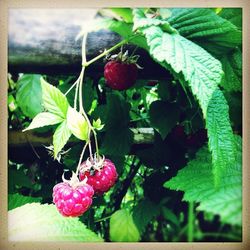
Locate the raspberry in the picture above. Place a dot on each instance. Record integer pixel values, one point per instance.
(197, 139)
(72, 201)
(101, 180)
(120, 75)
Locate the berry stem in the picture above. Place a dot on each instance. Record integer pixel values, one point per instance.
(96, 143)
(82, 111)
(81, 156)
(76, 94)
(72, 86)
(85, 64)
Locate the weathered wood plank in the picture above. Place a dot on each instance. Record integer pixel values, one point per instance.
(44, 41)
(21, 139)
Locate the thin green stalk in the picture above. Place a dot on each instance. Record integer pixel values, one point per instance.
(139, 119)
(80, 94)
(82, 111)
(86, 64)
(81, 156)
(190, 231)
(96, 143)
(76, 93)
(102, 219)
(72, 86)
(90, 152)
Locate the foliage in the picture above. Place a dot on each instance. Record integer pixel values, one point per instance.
(17, 200)
(192, 159)
(36, 222)
(196, 180)
(122, 227)
(29, 95)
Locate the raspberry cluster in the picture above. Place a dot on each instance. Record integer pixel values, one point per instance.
(74, 197)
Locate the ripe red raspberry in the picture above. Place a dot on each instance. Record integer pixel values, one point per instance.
(101, 180)
(120, 75)
(72, 201)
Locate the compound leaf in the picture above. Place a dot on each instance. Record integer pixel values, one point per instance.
(203, 74)
(196, 180)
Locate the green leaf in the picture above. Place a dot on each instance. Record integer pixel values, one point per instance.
(203, 74)
(88, 94)
(35, 222)
(156, 156)
(77, 124)
(18, 178)
(18, 200)
(122, 227)
(171, 216)
(54, 100)
(205, 25)
(117, 142)
(234, 100)
(221, 140)
(144, 212)
(163, 116)
(196, 180)
(234, 15)
(44, 119)
(60, 137)
(29, 95)
(97, 124)
(12, 103)
(124, 13)
(118, 137)
(141, 21)
(125, 30)
(232, 66)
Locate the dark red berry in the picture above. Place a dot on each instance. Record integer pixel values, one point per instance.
(101, 180)
(178, 133)
(197, 139)
(72, 201)
(120, 75)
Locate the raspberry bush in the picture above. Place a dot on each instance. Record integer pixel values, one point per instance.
(126, 157)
